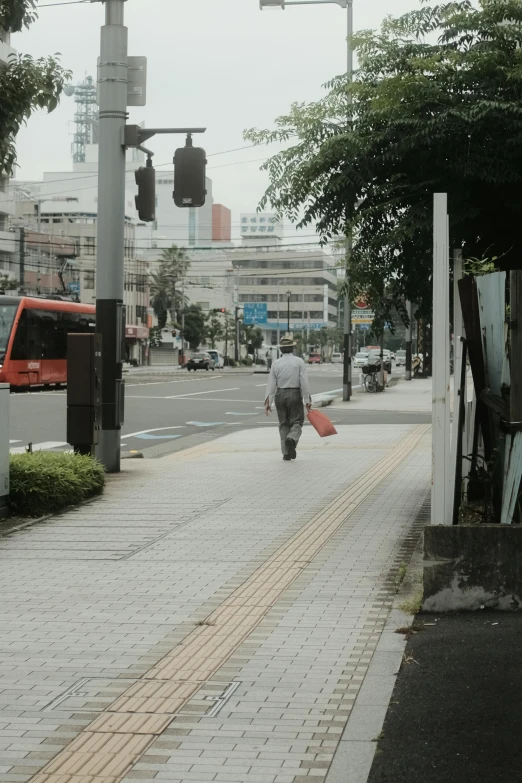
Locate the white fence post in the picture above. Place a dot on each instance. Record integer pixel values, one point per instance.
(440, 353)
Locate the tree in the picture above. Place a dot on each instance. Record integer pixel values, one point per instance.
(165, 298)
(215, 329)
(26, 84)
(437, 107)
(253, 337)
(195, 326)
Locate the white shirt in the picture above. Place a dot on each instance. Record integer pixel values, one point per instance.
(288, 372)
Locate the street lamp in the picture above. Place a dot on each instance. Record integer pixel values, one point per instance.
(348, 4)
(288, 297)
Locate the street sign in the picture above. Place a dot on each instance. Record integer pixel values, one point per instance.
(362, 316)
(361, 303)
(255, 313)
(74, 288)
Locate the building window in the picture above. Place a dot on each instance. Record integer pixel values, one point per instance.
(203, 305)
(88, 280)
(89, 246)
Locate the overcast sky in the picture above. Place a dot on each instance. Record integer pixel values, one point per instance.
(222, 64)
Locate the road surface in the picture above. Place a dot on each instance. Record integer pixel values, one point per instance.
(182, 410)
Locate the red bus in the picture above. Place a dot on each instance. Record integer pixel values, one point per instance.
(33, 338)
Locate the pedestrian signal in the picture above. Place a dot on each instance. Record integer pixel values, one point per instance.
(190, 176)
(146, 198)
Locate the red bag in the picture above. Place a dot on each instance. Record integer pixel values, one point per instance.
(321, 423)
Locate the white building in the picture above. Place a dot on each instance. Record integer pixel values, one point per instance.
(9, 248)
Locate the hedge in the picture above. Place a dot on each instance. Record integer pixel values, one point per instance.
(46, 481)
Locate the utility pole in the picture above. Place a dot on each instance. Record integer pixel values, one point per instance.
(182, 320)
(288, 297)
(110, 317)
(409, 340)
(347, 360)
(22, 259)
(237, 346)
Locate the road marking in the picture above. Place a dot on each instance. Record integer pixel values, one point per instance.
(146, 436)
(195, 394)
(260, 384)
(14, 441)
(115, 741)
(157, 429)
(241, 414)
(160, 383)
(205, 423)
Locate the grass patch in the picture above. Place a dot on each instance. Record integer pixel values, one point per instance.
(399, 579)
(413, 604)
(47, 482)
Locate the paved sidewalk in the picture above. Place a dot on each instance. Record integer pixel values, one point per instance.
(412, 396)
(213, 616)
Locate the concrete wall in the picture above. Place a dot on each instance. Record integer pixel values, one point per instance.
(470, 567)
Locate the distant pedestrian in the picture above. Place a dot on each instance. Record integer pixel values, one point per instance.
(288, 386)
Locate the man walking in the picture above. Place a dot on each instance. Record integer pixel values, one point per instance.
(288, 385)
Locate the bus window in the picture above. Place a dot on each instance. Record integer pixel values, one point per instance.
(7, 316)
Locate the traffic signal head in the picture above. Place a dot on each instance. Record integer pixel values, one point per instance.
(189, 176)
(146, 198)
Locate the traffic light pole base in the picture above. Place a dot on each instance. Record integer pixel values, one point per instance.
(108, 450)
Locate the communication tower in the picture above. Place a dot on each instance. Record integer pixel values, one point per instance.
(85, 117)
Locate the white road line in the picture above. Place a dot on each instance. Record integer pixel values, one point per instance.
(195, 394)
(162, 383)
(157, 429)
(14, 441)
(260, 384)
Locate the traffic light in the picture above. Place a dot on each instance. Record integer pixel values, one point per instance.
(146, 198)
(219, 310)
(189, 176)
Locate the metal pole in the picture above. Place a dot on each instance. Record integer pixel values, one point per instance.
(39, 228)
(409, 340)
(237, 351)
(182, 320)
(278, 314)
(288, 296)
(347, 360)
(22, 259)
(111, 227)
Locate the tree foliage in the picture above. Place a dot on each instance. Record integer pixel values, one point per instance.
(437, 107)
(26, 84)
(215, 328)
(166, 299)
(195, 326)
(16, 14)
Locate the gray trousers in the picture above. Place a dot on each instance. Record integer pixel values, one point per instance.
(290, 412)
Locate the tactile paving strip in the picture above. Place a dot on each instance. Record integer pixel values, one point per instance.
(110, 746)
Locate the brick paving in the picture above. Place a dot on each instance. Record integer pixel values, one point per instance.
(94, 599)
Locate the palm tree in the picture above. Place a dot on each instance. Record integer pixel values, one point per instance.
(165, 298)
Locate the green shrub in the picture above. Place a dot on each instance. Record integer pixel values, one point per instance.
(46, 482)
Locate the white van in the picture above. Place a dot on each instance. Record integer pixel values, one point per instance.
(337, 358)
(218, 358)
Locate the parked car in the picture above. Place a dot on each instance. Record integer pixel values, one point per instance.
(201, 361)
(360, 359)
(400, 357)
(337, 358)
(314, 358)
(217, 358)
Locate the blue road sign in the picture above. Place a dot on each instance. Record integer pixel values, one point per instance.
(74, 288)
(255, 313)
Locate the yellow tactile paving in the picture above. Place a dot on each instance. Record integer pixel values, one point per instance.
(116, 739)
